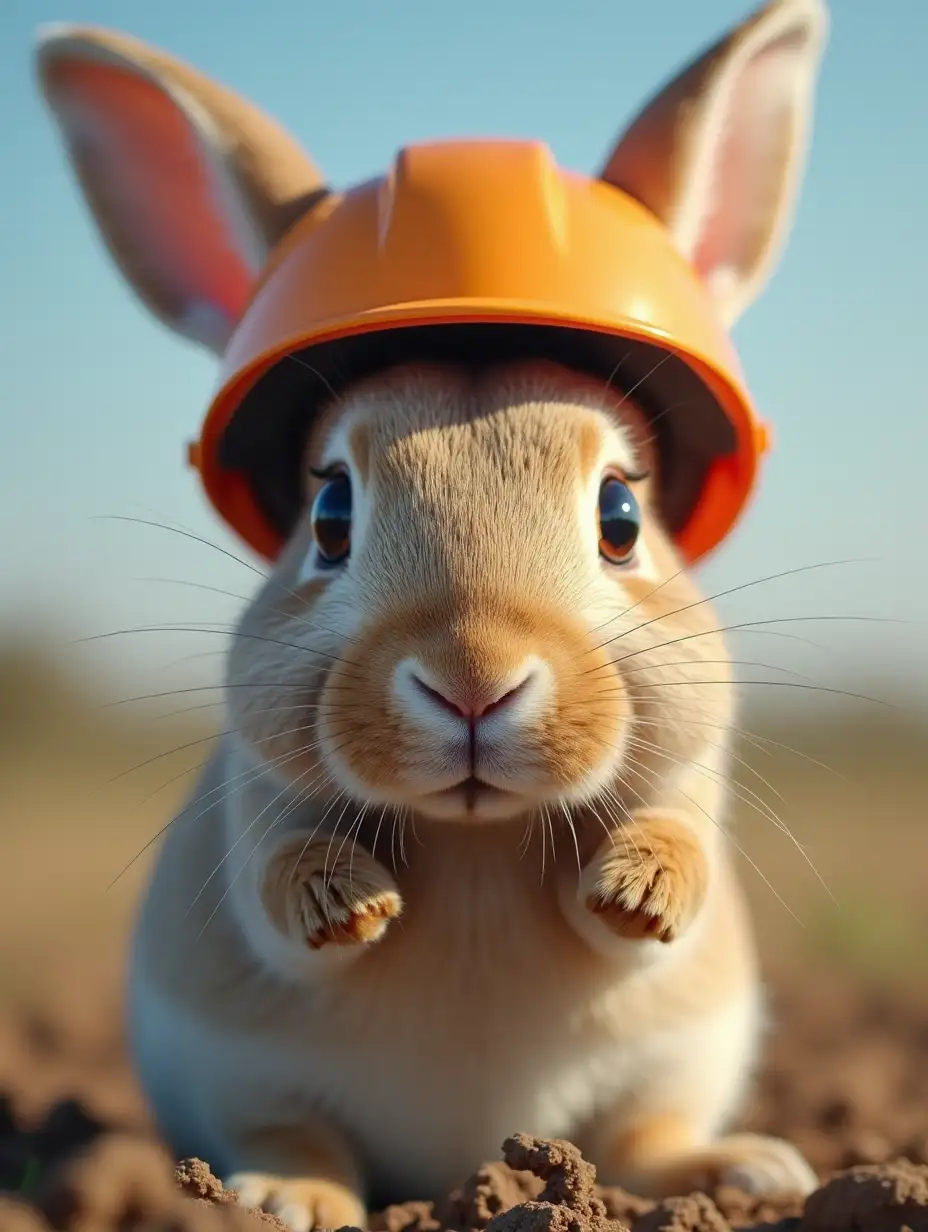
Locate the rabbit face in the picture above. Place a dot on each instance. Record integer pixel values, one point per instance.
(480, 614)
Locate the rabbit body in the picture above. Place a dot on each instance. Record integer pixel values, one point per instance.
(459, 866)
(416, 988)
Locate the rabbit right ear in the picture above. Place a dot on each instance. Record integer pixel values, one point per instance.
(718, 153)
(190, 185)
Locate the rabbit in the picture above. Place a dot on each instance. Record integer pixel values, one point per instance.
(458, 865)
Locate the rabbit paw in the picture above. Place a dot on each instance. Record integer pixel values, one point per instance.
(754, 1163)
(649, 880)
(300, 1204)
(321, 896)
(760, 1165)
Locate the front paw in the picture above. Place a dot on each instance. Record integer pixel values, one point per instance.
(301, 1204)
(649, 880)
(321, 896)
(754, 1163)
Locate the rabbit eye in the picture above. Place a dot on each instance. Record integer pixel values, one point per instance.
(619, 521)
(331, 520)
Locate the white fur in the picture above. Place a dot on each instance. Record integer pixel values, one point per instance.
(549, 1070)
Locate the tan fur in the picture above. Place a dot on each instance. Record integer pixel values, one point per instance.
(318, 893)
(655, 885)
(328, 1200)
(352, 976)
(478, 546)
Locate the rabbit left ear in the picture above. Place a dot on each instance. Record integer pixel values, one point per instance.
(191, 186)
(719, 152)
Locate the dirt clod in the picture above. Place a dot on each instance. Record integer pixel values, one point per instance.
(694, 1213)
(567, 1203)
(490, 1190)
(871, 1198)
(846, 1080)
(195, 1179)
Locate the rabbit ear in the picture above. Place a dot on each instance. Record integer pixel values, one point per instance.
(718, 153)
(190, 185)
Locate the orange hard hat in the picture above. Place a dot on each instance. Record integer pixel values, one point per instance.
(474, 250)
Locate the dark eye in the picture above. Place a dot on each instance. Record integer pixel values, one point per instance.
(331, 518)
(619, 521)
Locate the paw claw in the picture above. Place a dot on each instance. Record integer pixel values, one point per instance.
(756, 1164)
(320, 899)
(769, 1166)
(331, 915)
(652, 888)
(301, 1204)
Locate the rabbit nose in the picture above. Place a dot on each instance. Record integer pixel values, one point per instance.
(473, 702)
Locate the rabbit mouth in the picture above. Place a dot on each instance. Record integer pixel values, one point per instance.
(472, 791)
(473, 797)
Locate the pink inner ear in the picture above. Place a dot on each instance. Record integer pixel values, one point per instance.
(748, 164)
(152, 184)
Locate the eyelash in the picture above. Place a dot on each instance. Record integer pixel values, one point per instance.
(327, 472)
(629, 476)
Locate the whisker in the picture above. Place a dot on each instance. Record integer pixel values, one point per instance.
(668, 355)
(545, 821)
(325, 863)
(591, 805)
(755, 802)
(205, 688)
(301, 620)
(216, 631)
(731, 590)
(354, 844)
(608, 797)
(752, 738)
(241, 838)
(778, 684)
(255, 772)
(312, 834)
(693, 663)
(393, 845)
(315, 371)
(276, 821)
(754, 625)
(185, 534)
(404, 815)
(526, 837)
(573, 834)
(190, 744)
(636, 769)
(383, 813)
(191, 535)
(633, 821)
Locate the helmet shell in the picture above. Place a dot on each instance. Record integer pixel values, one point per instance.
(490, 233)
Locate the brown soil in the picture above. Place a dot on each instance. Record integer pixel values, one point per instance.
(846, 1079)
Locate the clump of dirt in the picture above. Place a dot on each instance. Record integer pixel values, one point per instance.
(846, 1079)
(567, 1203)
(876, 1198)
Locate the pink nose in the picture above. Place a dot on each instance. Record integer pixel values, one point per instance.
(470, 705)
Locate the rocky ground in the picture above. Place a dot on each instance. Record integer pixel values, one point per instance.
(846, 1079)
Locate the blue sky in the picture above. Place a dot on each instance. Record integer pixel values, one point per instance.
(97, 400)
